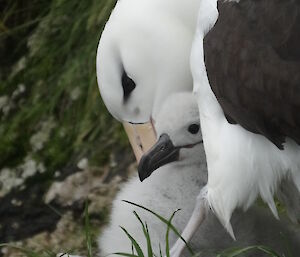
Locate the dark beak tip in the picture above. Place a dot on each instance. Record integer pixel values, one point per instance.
(162, 153)
(142, 177)
(142, 167)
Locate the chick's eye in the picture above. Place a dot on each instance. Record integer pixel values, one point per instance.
(194, 128)
(128, 85)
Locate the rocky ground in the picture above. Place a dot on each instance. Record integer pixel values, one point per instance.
(38, 219)
(58, 145)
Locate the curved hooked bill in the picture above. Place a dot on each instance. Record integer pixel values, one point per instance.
(162, 153)
(141, 137)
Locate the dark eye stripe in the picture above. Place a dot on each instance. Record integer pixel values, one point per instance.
(128, 85)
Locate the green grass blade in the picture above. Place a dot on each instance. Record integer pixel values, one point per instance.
(28, 253)
(149, 244)
(146, 233)
(160, 252)
(164, 221)
(87, 231)
(126, 254)
(21, 249)
(268, 250)
(167, 233)
(135, 244)
(50, 253)
(233, 252)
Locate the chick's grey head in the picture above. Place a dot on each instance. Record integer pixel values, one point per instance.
(179, 135)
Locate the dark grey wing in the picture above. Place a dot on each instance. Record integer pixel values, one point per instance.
(252, 57)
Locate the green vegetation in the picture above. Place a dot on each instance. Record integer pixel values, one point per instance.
(88, 231)
(51, 112)
(47, 72)
(138, 252)
(232, 252)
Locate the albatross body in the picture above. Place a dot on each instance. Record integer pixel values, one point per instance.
(178, 163)
(247, 81)
(250, 125)
(143, 56)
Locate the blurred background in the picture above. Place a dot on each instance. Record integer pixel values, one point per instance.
(58, 144)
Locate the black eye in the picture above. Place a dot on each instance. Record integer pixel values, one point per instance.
(128, 85)
(193, 128)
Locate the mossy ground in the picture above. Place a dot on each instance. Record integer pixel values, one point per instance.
(58, 50)
(51, 113)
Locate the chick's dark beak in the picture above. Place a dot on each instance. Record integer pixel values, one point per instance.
(162, 153)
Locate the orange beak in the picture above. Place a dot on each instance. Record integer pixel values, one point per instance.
(141, 137)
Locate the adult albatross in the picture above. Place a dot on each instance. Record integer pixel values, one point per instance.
(248, 90)
(143, 56)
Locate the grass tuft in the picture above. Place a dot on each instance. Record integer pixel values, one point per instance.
(231, 252)
(164, 221)
(56, 43)
(146, 233)
(167, 233)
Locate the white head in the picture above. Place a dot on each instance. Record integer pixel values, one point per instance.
(138, 65)
(143, 56)
(179, 135)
